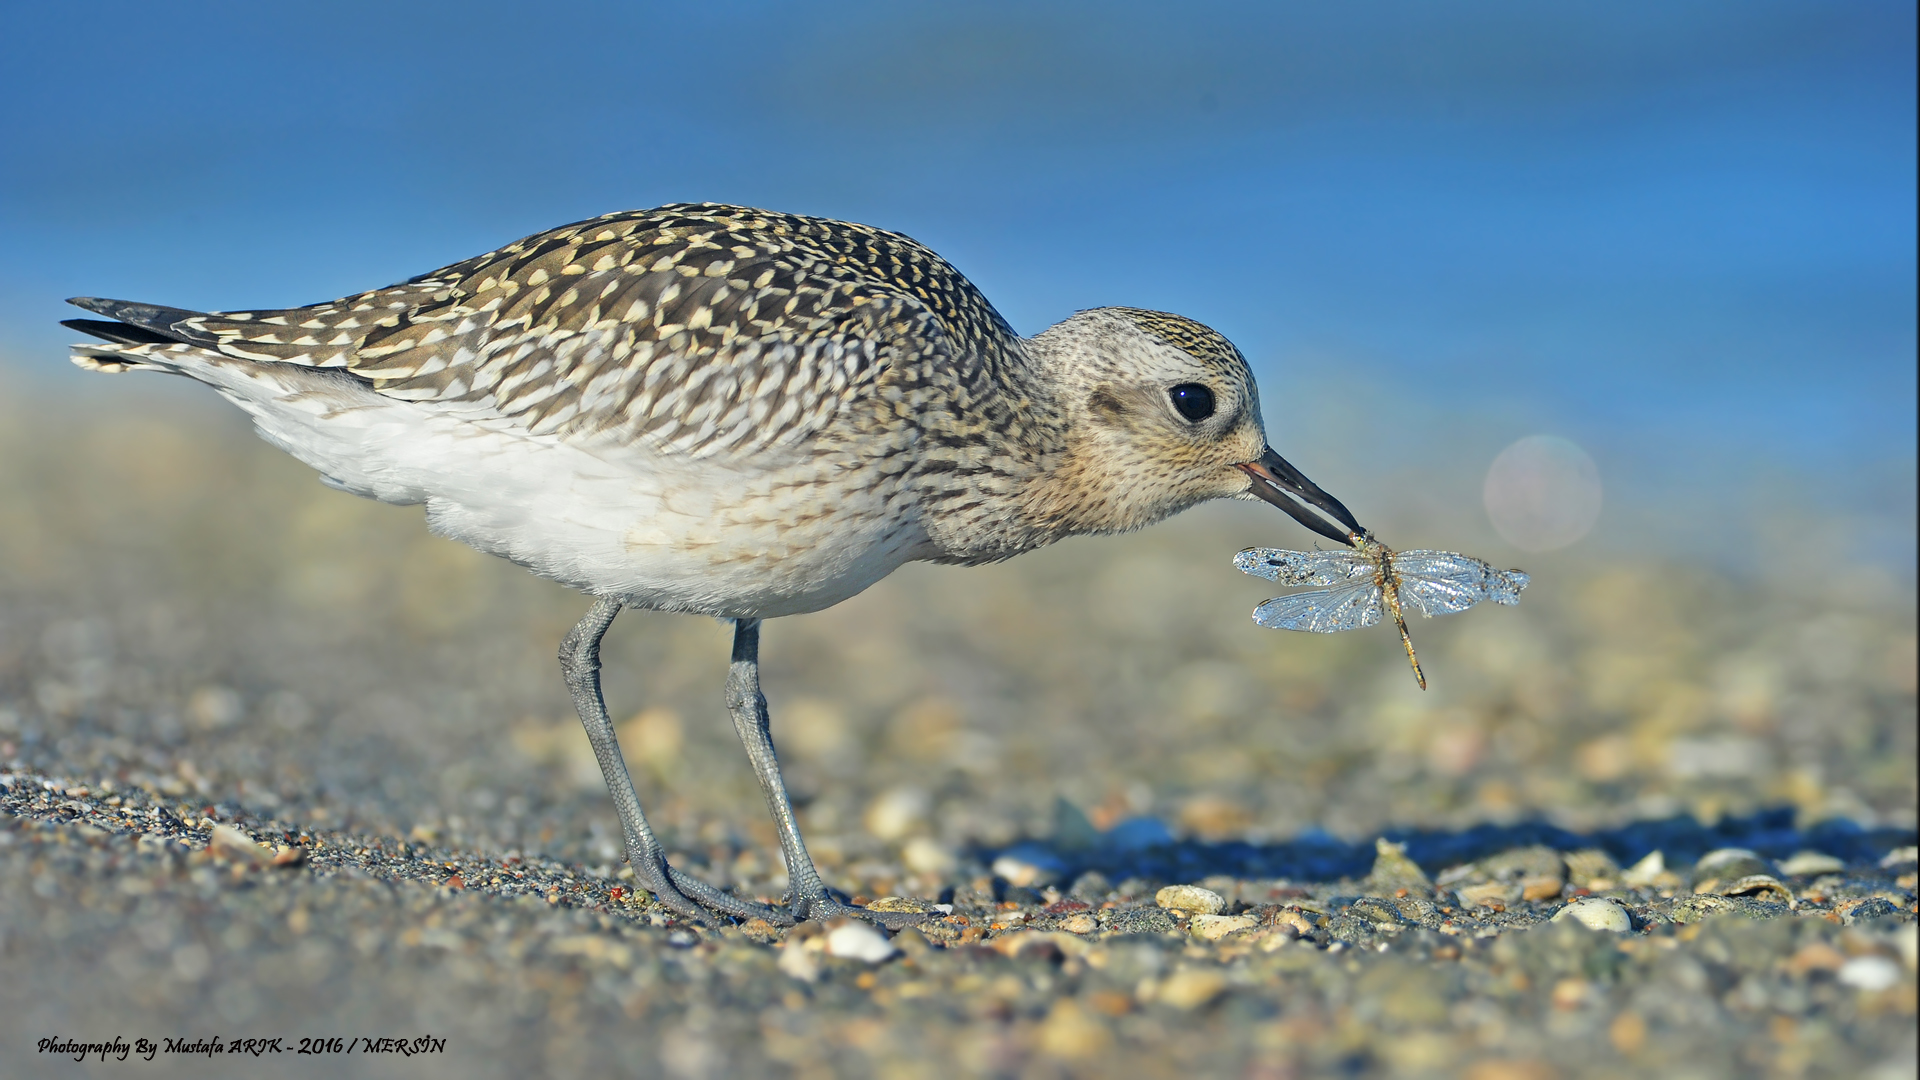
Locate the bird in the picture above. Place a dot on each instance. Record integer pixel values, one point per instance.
(731, 412)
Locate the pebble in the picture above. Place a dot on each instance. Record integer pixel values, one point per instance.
(1591, 868)
(1082, 923)
(1596, 913)
(1215, 927)
(858, 941)
(1191, 899)
(909, 904)
(1071, 1032)
(799, 962)
(1393, 871)
(1726, 864)
(1811, 863)
(234, 844)
(1647, 872)
(924, 855)
(1870, 973)
(1760, 887)
(1190, 989)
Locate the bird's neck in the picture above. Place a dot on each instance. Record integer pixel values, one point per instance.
(1003, 475)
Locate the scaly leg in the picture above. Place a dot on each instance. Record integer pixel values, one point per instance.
(807, 895)
(580, 664)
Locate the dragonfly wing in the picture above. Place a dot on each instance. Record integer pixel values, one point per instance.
(1304, 567)
(1323, 611)
(1446, 582)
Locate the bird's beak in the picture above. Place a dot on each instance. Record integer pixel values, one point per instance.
(1274, 481)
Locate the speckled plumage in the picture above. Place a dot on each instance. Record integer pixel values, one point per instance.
(826, 382)
(733, 412)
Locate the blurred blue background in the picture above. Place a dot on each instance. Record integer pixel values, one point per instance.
(1682, 235)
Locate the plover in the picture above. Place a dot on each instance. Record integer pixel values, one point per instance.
(729, 412)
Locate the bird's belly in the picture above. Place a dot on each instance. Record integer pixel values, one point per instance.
(677, 534)
(663, 531)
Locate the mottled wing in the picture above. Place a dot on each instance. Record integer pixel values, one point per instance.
(1305, 567)
(1446, 582)
(698, 330)
(1323, 611)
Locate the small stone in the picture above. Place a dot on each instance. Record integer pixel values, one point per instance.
(909, 904)
(1816, 956)
(1491, 894)
(1869, 973)
(1646, 873)
(1596, 913)
(1092, 885)
(925, 855)
(1571, 993)
(1072, 1032)
(1296, 923)
(1542, 888)
(1592, 868)
(1691, 909)
(235, 844)
(799, 962)
(1191, 899)
(1628, 1032)
(1393, 871)
(1866, 907)
(897, 812)
(1190, 989)
(1811, 864)
(1760, 887)
(1378, 912)
(1215, 927)
(858, 941)
(1082, 923)
(1725, 864)
(760, 930)
(911, 942)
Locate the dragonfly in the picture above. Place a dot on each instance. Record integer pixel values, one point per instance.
(1361, 583)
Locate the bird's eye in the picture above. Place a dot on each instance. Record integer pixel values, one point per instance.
(1193, 401)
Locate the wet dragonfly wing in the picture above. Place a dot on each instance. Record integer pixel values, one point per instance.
(1305, 567)
(1445, 582)
(1323, 611)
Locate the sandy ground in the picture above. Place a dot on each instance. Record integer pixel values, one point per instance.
(196, 638)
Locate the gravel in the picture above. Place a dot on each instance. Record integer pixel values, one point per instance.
(274, 764)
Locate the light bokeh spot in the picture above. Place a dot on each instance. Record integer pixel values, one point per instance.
(1542, 493)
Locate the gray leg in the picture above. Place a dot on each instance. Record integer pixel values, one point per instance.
(806, 894)
(580, 664)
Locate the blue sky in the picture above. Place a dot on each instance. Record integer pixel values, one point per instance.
(1682, 234)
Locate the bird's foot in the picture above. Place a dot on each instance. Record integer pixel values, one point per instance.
(819, 906)
(692, 898)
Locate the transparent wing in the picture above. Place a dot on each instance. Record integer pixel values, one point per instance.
(1447, 582)
(1323, 611)
(1305, 567)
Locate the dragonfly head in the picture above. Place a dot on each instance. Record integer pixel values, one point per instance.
(1277, 482)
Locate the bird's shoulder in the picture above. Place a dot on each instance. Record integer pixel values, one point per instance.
(696, 328)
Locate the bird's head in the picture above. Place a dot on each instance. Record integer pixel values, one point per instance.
(1161, 414)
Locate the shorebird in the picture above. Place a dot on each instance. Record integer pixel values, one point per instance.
(730, 412)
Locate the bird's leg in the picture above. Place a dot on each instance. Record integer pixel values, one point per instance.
(580, 664)
(807, 895)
